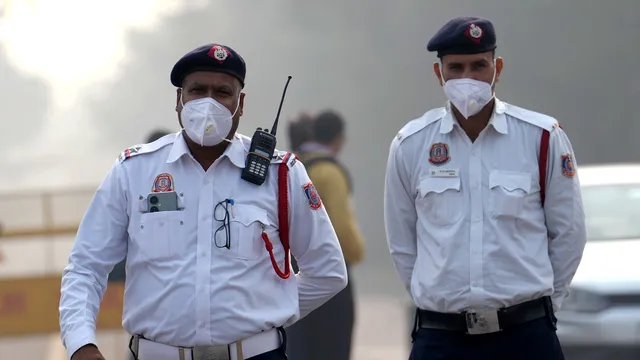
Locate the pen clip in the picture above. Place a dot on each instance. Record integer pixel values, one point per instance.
(233, 208)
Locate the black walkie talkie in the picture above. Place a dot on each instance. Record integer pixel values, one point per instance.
(263, 145)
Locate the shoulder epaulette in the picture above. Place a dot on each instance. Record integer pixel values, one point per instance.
(146, 148)
(414, 126)
(534, 118)
(280, 156)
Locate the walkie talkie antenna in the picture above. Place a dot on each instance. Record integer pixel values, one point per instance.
(275, 123)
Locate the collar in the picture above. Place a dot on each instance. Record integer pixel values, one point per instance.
(236, 151)
(498, 118)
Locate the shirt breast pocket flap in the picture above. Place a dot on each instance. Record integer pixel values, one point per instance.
(162, 235)
(508, 192)
(440, 200)
(247, 223)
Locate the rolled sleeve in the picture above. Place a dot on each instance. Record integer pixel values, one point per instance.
(79, 338)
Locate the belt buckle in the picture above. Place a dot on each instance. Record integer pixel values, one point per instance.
(212, 352)
(482, 322)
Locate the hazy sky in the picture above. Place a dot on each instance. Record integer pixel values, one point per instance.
(82, 80)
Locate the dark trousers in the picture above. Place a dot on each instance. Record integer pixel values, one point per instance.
(534, 340)
(277, 354)
(324, 334)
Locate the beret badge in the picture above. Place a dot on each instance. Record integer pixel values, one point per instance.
(218, 53)
(475, 33)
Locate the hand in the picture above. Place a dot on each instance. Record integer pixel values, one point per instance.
(88, 352)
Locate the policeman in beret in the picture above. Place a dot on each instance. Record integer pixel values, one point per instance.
(483, 212)
(207, 271)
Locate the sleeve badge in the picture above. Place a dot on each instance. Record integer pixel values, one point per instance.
(312, 195)
(568, 169)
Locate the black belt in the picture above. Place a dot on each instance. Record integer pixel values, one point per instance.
(486, 321)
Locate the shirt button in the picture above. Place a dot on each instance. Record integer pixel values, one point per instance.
(474, 284)
(203, 253)
(474, 153)
(201, 325)
(475, 251)
(475, 185)
(476, 218)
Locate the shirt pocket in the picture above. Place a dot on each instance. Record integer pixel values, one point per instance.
(162, 235)
(508, 190)
(440, 199)
(246, 225)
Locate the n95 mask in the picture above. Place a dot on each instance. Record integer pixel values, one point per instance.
(469, 96)
(206, 121)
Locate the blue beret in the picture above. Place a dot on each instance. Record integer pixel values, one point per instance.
(212, 57)
(464, 35)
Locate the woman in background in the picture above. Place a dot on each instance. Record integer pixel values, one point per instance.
(326, 333)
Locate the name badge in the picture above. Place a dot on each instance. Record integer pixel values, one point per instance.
(444, 173)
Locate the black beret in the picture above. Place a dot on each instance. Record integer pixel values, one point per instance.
(464, 35)
(212, 57)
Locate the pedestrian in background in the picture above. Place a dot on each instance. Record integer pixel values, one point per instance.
(300, 131)
(327, 332)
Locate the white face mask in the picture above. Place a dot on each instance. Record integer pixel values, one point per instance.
(206, 121)
(469, 96)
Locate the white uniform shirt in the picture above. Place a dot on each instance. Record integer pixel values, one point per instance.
(469, 231)
(181, 288)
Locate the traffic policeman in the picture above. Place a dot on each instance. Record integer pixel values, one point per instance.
(198, 271)
(483, 212)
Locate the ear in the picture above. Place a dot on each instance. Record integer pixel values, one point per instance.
(438, 72)
(241, 107)
(499, 66)
(178, 97)
(179, 106)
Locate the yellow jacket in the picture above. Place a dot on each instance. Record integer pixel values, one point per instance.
(333, 186)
